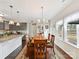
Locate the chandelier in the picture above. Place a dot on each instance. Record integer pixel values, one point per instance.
(41, 27)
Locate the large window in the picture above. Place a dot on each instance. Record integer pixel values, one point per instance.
(71, 29)
(70, 34)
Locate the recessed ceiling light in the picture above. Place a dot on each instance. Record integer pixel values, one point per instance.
(11, 6)
(17, 11)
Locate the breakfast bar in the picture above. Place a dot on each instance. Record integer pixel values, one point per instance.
(9, 44)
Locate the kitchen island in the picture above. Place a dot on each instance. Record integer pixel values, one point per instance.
(8, 44)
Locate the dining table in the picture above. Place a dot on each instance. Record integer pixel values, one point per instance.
(30, 45)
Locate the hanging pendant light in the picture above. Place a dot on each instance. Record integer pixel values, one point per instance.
(18, 24)
(1, 20)
(43, 19)
(1, 17)
(11, 22)
(38, 20)
(42, 25)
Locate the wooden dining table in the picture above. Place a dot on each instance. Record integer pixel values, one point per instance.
(30, 46)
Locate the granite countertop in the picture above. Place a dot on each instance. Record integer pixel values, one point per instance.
(6, 38)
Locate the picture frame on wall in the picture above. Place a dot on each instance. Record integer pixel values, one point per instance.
(46, 26)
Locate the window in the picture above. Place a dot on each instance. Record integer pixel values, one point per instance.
(59, 27)
(68, 29)
(71, 33)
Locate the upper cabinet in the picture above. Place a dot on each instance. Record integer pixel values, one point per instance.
(22, 26)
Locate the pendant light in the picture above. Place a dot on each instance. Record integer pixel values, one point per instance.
(42, 13)
(1, 17)
(11, 22)
(42, 25)
(18, 24)
(1, 20)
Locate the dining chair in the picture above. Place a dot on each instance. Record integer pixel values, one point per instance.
(40, 50)
(52, 41)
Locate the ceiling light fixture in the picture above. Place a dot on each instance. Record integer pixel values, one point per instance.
(11, 22)
(38, 20)
(1, 20)
(17, 24)
(42, 22)
(42, 13)
(1, 15)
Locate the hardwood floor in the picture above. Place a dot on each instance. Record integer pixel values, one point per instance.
(62, 53)
(59, 54)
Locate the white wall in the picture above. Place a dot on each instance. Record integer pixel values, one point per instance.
(33, 29)
(72, 8)
(69, 49)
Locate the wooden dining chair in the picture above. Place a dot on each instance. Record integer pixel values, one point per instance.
(40, 50)
(52, 41)
(50, 46)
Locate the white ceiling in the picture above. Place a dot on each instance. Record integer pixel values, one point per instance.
(31, 9)
(71, 9)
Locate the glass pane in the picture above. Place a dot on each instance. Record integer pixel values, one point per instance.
(71, 33)
(60, 29)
